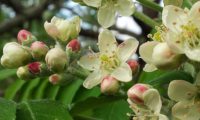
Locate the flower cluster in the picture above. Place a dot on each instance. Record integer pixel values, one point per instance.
(34, 58)
(176, 44)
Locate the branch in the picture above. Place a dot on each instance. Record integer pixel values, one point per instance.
(29, 13)
(15, 5)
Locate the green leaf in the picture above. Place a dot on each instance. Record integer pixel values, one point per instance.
(147, 76)
(52, 91)
(173, 2)
(83, 93)
(114, 111)
(161, 81)
(92, 103)
(28, 91)
(40, 91)
(42, 110)
(8, 109)
(67, 92)
(12, 90)
(5, 73)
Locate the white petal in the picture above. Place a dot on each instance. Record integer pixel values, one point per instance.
(93, 79)
(106, 15)
(125, 7)
(107, 43)
(93, 3)
(123, 73)
(163, 117)
(149, 68)
(180, 90)
(192, 54)
(152, 100)
(146, 50)
(51, 29)
(174, 42)
(194, 14)
(127, 48)
(173, 17)
(90, 61)
(186, 110)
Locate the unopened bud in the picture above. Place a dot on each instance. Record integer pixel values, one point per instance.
(24, 37)
(39, 50)
(133, 65)
(135, 93)
(60, 79)
(37, 68)
(164, 58)
(56, 60)
(14, 55)
(74, 45)
(109, 85)
(24, 74)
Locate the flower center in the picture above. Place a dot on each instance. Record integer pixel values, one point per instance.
(190, 35)
(109, 63)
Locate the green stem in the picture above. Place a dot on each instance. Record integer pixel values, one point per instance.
(144, 18)
(150, 4)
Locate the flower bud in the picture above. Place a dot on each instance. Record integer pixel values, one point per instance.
(38, 68)
(135, 93)
(39, 50)
(74, 45)
(164, 58)
(24, 74)
(133, 65)
(109, 85)
(63, 30)
(60, 79)
(14, 55)
(24, 37)
(56, 60)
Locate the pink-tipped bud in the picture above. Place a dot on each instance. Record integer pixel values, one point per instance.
(135, 93)
(24, 37)
(109, 85)
(34, 67)
(133, 65)
(39, 50)
(61, 79)
(54, 79)
(74, 45)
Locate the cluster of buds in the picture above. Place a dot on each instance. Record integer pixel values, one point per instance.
(34, 58)
(146, 103)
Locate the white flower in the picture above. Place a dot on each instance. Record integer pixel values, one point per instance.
(63, 30)
(111, 60)
(183, 34)
(159, 55)
(108, 9)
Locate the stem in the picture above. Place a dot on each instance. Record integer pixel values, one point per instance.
(144, 18)
(60, 45)
(151, 5)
